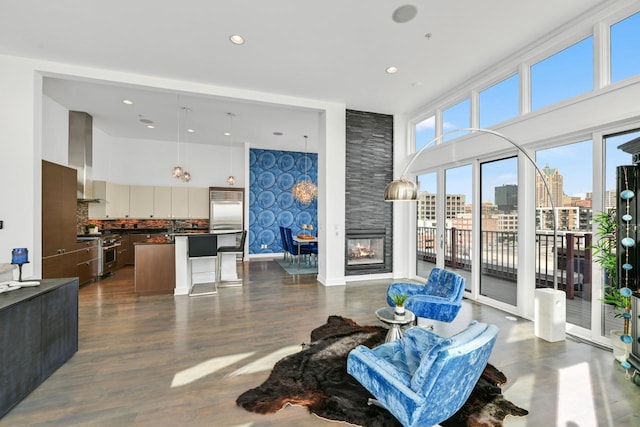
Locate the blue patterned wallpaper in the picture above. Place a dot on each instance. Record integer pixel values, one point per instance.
(272, 173)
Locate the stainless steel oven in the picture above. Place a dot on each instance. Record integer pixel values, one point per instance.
(109, 251)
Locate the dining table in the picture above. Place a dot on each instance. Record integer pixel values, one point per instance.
(304, 240)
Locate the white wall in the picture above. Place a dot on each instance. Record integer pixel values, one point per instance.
(149, 162)
(331, 200)
(55, 132)
(20, 162)
(141, 162)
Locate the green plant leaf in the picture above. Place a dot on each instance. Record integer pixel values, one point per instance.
(398, 299)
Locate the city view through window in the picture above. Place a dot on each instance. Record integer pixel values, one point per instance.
(571, 170)
(568, 170)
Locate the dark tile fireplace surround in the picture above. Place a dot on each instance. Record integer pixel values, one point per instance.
(369, 219)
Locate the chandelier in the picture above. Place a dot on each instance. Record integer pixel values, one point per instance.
(178, 171)
(305, 191)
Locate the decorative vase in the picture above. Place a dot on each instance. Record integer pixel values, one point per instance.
(621, 350)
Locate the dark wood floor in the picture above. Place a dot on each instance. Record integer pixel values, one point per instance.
(180, 361)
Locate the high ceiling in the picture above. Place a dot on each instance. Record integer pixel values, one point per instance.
(331, 50)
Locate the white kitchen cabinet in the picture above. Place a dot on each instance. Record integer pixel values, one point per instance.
(199, 203)
(120, 204)
(114, 201)
(179, 202)
(162, 202)
(141, 201)
(98, 210)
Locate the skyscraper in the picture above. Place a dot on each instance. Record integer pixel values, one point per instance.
(506, 197)
(556, 187)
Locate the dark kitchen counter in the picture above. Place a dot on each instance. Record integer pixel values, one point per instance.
(189, 232)
(153, 230)
(138, 230)
(156, 240)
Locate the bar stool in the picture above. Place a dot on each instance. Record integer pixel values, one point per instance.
(235, 250)
(202, 246)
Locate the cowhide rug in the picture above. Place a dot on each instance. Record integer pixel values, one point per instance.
(317, 378)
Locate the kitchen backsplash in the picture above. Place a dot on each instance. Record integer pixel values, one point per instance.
(82, 213)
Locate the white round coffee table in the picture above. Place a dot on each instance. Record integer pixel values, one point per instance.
(395, 322)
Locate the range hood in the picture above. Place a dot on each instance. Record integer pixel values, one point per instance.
(81, 153)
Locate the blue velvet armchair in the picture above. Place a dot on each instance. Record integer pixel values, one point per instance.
(439, 299)
(423, 379)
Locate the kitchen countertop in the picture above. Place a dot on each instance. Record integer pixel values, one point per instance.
(158, 240)
(153, 230)
(86, 237)
(187, 233)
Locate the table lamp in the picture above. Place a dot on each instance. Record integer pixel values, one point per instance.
(19, 256)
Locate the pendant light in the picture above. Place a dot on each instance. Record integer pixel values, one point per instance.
(305, 191)
(231, 180)
(178, 171)
(186, 176)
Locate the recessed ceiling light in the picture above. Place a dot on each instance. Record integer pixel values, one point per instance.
(236, 39)
(227, 134)
(392, 70)
(277, 133)
(191, 130)
(151, 127)
(404, 13)
(127, 101)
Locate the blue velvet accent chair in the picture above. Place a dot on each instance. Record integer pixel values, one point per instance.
(439, 299)
(423, 379)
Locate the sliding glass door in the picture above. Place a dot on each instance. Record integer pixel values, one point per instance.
(568, 170)
(499, 230)
(426, 224)
(456, 239)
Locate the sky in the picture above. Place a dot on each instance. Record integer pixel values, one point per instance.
(561, 76)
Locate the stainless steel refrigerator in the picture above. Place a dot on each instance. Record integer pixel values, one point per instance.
(226, 210)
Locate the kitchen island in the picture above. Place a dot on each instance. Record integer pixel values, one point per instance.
(202, 269)
(155, 266)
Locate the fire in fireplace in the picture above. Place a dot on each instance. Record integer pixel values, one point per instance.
(361, 251)
(365, 250)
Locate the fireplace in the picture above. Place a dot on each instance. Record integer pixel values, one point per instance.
(365, 251)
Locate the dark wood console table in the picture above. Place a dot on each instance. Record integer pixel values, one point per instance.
(38, 334)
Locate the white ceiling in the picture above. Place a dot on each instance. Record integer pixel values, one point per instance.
(331, 50)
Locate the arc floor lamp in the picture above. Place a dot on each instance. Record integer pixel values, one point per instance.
(405, 189)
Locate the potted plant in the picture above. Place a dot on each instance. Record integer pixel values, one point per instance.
(399, 300)
(92, 228)
(619, 298)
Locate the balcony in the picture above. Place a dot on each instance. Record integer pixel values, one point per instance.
(500, 263)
